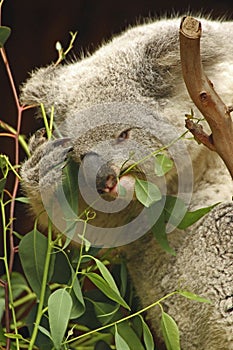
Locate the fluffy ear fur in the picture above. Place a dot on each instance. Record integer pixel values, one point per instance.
(93, 99)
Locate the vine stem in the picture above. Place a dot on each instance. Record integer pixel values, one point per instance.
(7, 284)
(8, 268)
(16, 183)
(16, 136)
(124, 319)
(43, 288)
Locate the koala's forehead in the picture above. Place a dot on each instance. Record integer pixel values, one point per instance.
(108, 120)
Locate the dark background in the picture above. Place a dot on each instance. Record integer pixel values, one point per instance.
(37, 25)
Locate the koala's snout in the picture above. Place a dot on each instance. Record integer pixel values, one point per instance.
(98, 172)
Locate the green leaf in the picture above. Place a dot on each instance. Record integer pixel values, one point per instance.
(18, 285)
(146, 192)
(193, 296)
(106, 275)
(174, 210)
(159, 232)
(65, 274)
(121, 190)
(70, 183)
(4, 35)
(22, 200)
(44, 331)
(4, 160)
(14, 336)
(78, 307)
(105, 312)
(2, 184)
(127, 333)
(32, 252)
(59, 309)
(2, 307)
(67, 197)
(101, 345)
(120, 342)
(170, 332)
(2, 337)
(163, 164)
(193, 216)
(147, 336)
(101, 284)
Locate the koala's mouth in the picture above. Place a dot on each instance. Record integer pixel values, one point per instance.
(118, 183)
(119, 187)
(109, 179)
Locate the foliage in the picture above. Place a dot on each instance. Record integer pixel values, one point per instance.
(75, 298)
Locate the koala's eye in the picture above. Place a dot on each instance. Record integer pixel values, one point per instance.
(124, 135)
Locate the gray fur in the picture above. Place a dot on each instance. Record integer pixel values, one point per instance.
(140, 71)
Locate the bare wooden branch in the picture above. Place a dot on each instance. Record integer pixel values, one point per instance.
(201, 90)
(199, 134)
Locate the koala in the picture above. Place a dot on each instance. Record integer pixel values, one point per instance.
(114, 108)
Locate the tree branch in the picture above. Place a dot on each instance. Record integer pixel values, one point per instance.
(201, 91)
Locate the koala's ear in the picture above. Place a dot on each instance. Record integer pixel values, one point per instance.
(160, 59)
(39, 87)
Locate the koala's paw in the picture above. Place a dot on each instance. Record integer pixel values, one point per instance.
(40, 171)
(37, 140)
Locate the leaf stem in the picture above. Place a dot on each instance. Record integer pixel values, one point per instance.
(80, 255)
(125, 318)
(152, 154)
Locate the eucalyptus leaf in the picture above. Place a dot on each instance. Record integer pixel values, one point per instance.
(101, 284)
(121, 344)
(18, 284)
(121, 190)
(170, 332)
(2, 184)
(2, 336)
(3, 161)
(59, 309)
(162, 164)
(193, 216)
(193, 296)
(78, 307)
(70, 183)
(22, 200)
(101, 345)
(128, 334)
(106, 275)
(147, 336)
(32, 253)
(44, 331)
(2, 307)
(159, 227)
(146, 192)
(66, 195)
(159, 232)
(4, 35)
(174, 210)
(105, 312)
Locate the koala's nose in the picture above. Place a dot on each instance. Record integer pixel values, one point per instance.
(98, 172)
